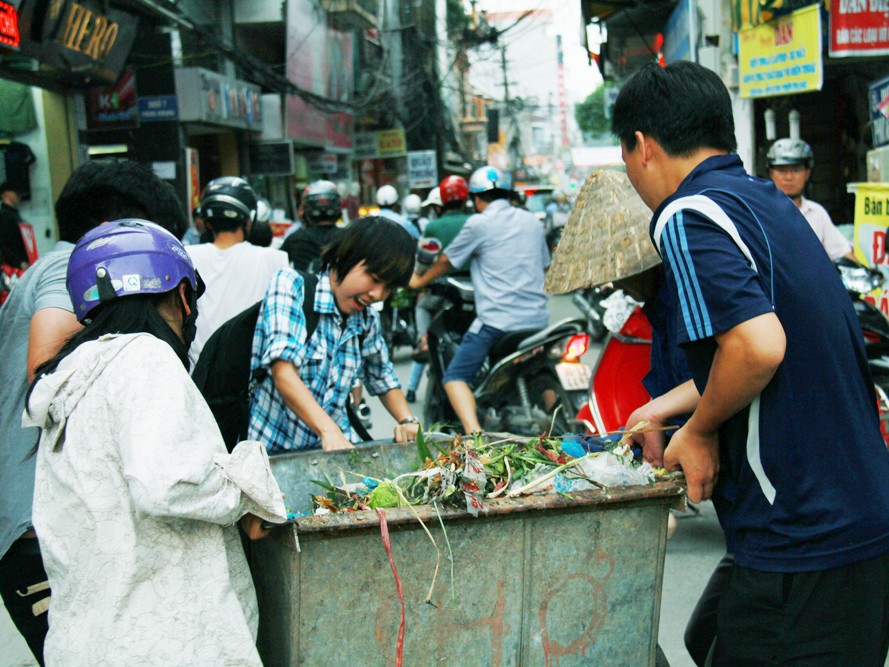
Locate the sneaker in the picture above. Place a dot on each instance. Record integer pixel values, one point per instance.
(411, 396)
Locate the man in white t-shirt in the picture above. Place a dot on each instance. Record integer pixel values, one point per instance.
(790, 166)
(236, 273)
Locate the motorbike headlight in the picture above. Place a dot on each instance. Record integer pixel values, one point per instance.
(860, 279)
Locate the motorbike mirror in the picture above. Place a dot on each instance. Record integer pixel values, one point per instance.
(576, 347)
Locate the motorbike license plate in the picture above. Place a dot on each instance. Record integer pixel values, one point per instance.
(574, 376)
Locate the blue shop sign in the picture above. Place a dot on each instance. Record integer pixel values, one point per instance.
(158, 108)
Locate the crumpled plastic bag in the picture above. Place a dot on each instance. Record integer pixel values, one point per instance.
(610, 470)
(618, 308)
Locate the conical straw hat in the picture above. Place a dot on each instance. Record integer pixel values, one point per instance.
(605, 238)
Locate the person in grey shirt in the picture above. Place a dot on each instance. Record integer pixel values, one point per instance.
(35, 322)
(506, 251)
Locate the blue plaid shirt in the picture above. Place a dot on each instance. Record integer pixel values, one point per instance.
(339, 352)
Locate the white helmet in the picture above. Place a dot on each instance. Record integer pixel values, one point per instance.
(412, 203)
(488, 178)
(790, 151)
(433, 198)
(387, 195)
(263, 210)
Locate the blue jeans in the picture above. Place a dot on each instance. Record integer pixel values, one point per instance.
(471, 354)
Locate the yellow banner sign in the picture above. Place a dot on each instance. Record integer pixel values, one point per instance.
(391, 143)
(871, 221)
(783, 56)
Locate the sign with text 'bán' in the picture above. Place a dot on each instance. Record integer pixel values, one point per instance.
(871, 221)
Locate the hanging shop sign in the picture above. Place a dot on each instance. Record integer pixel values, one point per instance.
(421, 169)
(319, 62)
(878, 101)
(859, 28)
(750, 13)
(113, 107)
(9, 26)
(381, 144)
(321, 162)
(271, 158)
(208, 97)
(680, 33)
(158, 108)
(871, 221)
(87, 39)
(391, 143)
(782, 57)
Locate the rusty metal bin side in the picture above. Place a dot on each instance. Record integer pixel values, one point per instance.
(565, 585)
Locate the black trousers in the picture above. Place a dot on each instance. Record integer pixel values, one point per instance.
(831, 618)
(21, 571)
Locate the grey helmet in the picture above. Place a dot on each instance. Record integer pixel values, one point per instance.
(790, 151)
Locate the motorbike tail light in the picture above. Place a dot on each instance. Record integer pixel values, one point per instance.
(576, 347)
(871, 336)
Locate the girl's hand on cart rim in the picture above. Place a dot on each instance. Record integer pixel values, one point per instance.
(335, 440)
(252, 526)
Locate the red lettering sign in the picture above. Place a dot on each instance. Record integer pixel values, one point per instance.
(879, 248)
(9, 25)
(784, 33)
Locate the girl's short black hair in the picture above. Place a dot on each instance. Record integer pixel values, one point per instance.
(386, 248)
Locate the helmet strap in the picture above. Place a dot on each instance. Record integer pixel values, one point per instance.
(104, 286)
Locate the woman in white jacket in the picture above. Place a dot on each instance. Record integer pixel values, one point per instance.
(136, 499)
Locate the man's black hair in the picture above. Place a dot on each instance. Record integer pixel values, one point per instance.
(6, 186)
(492, 195)
(260, 234)
(101, 191)
(683, 106)
(457, 205)
(220, 224)
(385, 247)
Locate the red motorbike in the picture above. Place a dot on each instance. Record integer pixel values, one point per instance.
(616, 385)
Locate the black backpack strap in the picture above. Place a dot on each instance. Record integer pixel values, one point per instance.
(312, 316)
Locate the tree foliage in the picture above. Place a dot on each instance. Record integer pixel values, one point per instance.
(590, 113)
(457, 19)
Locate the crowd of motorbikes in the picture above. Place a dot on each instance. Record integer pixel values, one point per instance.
(536, 381)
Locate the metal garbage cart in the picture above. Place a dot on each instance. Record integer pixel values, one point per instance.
(537, 580)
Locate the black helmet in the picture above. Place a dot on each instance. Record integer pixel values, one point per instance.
(228, 198)
(321, 201)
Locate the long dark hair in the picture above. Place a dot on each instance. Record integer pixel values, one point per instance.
(126, 315)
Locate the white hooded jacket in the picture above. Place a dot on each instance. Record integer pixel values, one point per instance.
(135, 506)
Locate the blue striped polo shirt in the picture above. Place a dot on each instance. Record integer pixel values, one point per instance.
(804, 474)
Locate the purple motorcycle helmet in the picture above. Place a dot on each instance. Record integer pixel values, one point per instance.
(123, 258)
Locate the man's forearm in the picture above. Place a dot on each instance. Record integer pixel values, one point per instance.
(441, 267)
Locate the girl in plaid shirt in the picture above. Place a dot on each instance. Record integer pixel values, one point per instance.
(301, 404)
